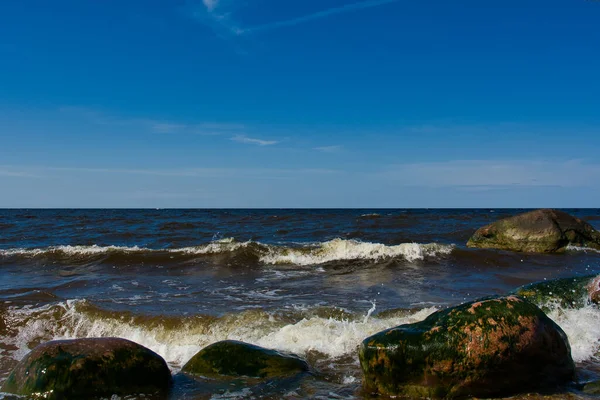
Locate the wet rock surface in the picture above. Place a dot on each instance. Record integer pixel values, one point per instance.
(592, 388)
(573, 292)
(232, 358)
(88, 368)
(493, 347)
(539, 231)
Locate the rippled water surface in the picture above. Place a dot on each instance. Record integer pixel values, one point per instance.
(312, 282)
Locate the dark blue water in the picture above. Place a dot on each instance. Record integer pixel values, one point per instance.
(314, 282)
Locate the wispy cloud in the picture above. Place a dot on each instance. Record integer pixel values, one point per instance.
(210, 13)
(210, 4)
(465, 174)
(246, 139)
(153, 125)
(329, 149)
(213, 129)
(47, 172)
(16, 173)
(318, 15)
(224, 19)
(166, 127)
(494, 173)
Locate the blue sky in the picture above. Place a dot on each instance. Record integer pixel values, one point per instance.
(300, 103)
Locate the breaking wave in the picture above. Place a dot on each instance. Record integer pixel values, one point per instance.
(310, 254)
(177, 339)
(582, 249)
(333, 334)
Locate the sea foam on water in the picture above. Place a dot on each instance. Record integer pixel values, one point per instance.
(178, 341)
(309, 254)
(582, 327)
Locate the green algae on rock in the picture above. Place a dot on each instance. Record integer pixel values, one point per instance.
(232, 358)
(90, 367)
(492, 347)
(592, 388)
(539, 231)
(573, 292)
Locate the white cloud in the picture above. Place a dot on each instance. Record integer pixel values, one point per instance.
(210, 4)
(210, 12)
(246, 139)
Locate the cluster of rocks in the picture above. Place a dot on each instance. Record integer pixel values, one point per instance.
(100, 367)
(491, 347)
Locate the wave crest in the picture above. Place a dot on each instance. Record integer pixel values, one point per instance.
(319, 253)
(177, 339)
(339, 249)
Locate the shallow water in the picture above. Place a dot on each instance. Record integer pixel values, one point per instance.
(311, 282)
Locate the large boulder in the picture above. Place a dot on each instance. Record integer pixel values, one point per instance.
(231, 358)
(574, 292)
(492, 347)
(540, 231)
(84, 368)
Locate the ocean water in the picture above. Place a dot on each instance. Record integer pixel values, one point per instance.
(311, 282)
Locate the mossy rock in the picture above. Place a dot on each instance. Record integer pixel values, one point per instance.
(492, 347)
(574, 292)
(231, 358)
(88, 368)
(539, 231)
(592, 388)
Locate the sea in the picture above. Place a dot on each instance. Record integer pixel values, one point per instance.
(313, 282)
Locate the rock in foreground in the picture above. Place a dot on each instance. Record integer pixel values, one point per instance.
(574, 292)
(540, 231)
(492, 347)
(84, 368)
(231, 358)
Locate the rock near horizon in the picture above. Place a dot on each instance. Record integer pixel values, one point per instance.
(539, 231)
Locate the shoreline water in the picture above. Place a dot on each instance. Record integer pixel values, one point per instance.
(315, 284)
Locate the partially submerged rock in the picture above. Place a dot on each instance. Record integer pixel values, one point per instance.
(574, 292)
(592, 388)
(231, 358)
(491, 347)
(84, 368)
(539, 231)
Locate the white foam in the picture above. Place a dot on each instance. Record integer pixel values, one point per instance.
(332, 337)
(583, 249)
(340, 249)
(73, 319)
(313, 254)
(71, 250)
(582, 328)
(241, 394)
(214, 247)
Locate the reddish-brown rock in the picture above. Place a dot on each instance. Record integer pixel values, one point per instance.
(492, 347)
